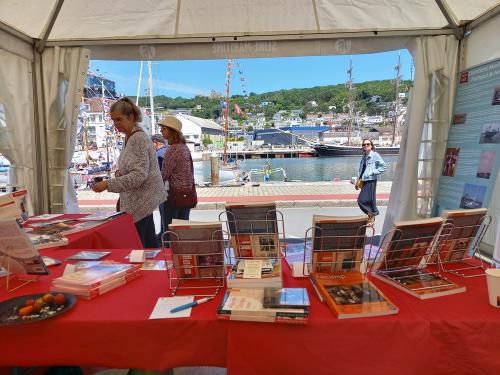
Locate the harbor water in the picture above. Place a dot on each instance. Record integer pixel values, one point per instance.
(302, 169)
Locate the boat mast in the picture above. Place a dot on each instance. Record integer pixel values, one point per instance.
(350, 104)
(139, 85)
(226, 111)
(150, 81)
(395, 129)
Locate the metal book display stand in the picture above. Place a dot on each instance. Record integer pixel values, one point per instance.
(337, 251)
(261, 237)
(195, 265)
(459, 253)
(13, 276)
(406, 252)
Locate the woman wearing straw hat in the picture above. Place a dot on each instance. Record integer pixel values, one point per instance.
(178, 170)
(139, 179)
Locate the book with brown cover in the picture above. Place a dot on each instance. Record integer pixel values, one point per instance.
(352, 295)
(466, 225)
(338, 243)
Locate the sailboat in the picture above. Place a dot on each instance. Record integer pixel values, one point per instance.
(324, 149)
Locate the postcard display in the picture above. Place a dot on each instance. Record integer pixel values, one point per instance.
(257, 232)
(459, 253)
(196, 258)
(472, 156)
(406, 254)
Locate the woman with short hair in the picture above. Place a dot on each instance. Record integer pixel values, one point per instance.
(139, 179)
(371, 166)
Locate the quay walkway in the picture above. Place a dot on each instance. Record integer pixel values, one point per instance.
(286, 195)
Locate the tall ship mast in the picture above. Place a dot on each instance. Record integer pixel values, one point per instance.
(226, 110)
(350, 104)
(395, 126)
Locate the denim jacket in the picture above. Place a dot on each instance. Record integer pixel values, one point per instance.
(374, 166)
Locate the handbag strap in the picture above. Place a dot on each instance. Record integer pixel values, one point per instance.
(131, 134)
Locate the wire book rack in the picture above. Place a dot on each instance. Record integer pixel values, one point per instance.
(261, 237)
(196, 265)
(459, 252)
(337, 253)
(14, 278)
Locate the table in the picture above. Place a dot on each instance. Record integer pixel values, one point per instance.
(118, 233)
(455, 334)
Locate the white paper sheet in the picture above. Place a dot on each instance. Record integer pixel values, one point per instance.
(165, 304)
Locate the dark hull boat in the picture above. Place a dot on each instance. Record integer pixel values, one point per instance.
(340, 150)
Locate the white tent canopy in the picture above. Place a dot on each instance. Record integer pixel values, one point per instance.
(45, 46)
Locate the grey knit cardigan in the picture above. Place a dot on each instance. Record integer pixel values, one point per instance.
(138, 179)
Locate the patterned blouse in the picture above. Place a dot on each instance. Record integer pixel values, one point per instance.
(177, 167)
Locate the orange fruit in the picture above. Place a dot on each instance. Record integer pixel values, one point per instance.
(59, 299)
(48, 298)
(23, 311)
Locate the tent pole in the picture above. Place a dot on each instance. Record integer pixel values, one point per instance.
(48, 27)
(41, 203)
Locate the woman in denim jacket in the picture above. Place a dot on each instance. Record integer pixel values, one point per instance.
(370, 166)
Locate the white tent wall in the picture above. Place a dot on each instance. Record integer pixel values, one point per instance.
(64, 71)
(17, 130)
(483, 45)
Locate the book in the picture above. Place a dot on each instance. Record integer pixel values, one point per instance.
(421, 284)
(102, 216)
(259, 245)
(94, 275)
(247, 305)
(408, 244)
(89, 255)
(251, 217)
(45, 241)
(17, 250)
(338, 243)
(91, 293)
(352, 295)
(466, 225)
(270, 275)
(293, 298)
(149, 254)
(14, 205)
(197, 249)
(49, 261)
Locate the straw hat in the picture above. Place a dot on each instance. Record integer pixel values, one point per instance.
(172, 122)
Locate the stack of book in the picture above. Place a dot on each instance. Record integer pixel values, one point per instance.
(275, 305)
(197, 249)
(270, 275)
(92, 279)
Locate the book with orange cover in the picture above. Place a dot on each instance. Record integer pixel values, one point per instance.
(466, 225)
(421, 284)
(352, 295)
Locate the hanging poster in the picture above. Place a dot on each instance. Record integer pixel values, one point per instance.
(472, 156)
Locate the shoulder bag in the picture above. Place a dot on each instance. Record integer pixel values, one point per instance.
(183, 198)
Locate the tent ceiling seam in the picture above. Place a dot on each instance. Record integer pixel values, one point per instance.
(15, 33)
(177, 14)
(251, 38)
(483, 18)
(316, 18)
(451, 18)
(40, 45)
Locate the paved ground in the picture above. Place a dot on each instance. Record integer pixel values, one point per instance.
(286, 194)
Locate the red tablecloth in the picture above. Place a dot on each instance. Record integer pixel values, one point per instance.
(458, 334)
(118, 233)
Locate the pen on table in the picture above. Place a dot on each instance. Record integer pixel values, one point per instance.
(190, 304)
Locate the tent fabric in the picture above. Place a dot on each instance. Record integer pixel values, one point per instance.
(124, 19)
(432, 56)
(64, 71)
(16, 130)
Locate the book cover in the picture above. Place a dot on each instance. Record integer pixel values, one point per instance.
(101, 216)
(95, 275)
(408, 243)
(286, 298)
(14, 205)
(421, 284)
(197, 249)
(252, 217)
(247, 305)
(466, 226)
(17, 250)
(351, 295)
(45, 241)
(270, 277)
(88, 255)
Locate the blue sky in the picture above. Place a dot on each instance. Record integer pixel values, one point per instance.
(195, 77)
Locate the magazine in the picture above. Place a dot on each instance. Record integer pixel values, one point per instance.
(17, 251)
(88, 255)
(44, 241)
(253, 217)
(102, 216)
(14, 205)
